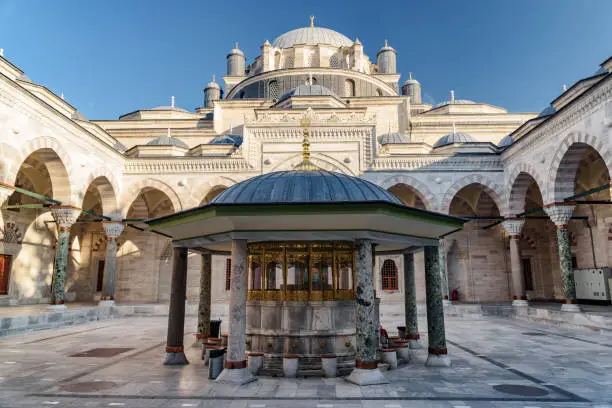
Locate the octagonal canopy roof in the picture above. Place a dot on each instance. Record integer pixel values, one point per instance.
(305, 205)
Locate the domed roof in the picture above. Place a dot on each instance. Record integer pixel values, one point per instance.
(308, 90)
(454, 137)
(168, 108)
(212, 84)
(410, 80)
(506, 141)
(393, 138)
(235, 140)
(304, 186)
(456, 102)
(386, 47)
(167, 141)
(312, 36)
(549, 110)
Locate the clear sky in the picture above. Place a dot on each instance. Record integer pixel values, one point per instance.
(112, 57)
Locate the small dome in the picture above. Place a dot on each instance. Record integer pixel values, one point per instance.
(212, 84)
(167, 141)
(168, 108)
(236, 51)
(454, 137)
(456, 102)
(304, 186)
(24, 78)
(549, 110)
(505, 142)
(312, 36)
(235, 140)
(393, 138)
(308, 90)
(386, 47)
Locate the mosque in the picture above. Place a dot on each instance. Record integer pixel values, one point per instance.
(112, 210)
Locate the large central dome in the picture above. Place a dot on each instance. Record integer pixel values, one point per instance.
(312, 36)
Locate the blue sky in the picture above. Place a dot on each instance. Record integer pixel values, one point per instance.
(113, 57)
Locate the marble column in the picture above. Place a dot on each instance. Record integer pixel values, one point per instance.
(5, 192)
(113, 229)
(175, 350)
(560, 214)
(64, 217)
(366, 370)
(443, 274)
(513, 227)
(235, 371)
(438, 354)
(205, 305)
(410, 303)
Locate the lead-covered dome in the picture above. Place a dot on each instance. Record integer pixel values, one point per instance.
(167, 141)
(393, 138)
(304, 186)
(454, 137)
(312, 36)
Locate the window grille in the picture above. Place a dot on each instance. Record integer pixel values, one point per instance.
(389, 275)
(228, 273)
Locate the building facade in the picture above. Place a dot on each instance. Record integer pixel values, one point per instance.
(514, 175)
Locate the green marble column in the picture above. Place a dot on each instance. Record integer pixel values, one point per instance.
(366, 365)
(410, 303)
(438, 354)
(443, 273)
(205, 291)
(64, 217)
(560, 214)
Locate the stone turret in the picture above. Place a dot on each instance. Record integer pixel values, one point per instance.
(412, 88)
(235, 62)
(387, 60)
(212, 92)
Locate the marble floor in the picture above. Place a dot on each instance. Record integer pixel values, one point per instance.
(496, 363)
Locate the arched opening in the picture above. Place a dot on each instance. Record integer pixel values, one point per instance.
(388, 273)
(408, 195)
(277, 60)
(582, 169)
(144, 268)
(212, 193)
(379, 92)
(28, 266)
(476, 260)
(334, 62)
(273, 90)
(349, 88)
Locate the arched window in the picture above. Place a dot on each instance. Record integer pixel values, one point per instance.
(242, 95)
(349, 88)
(333, 62)
(314, 81)
(273, 90)
(379, 92)
(389, 275)
(277, 60)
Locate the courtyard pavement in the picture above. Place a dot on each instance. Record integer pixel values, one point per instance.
(496, 363)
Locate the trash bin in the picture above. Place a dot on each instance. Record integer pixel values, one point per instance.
(215, 363)
(401, 330)
(215, 328)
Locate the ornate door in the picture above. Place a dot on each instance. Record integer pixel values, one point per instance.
(5, 270)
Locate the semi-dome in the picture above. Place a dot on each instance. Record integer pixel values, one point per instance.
(304, 186)
(393, 138)
(308, 90)
(235, 140)
(167, 141)
(454, 137)
(312, 36)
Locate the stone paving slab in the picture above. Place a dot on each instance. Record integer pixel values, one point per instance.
(574, 368)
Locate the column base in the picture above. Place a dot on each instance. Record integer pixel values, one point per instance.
(57, 308)
(175, 358)
(570, 307)
(415, 344)
(446, 302)
(438, 360)
(106, 303)
(236, 376)
(520, 303)
(362, 376)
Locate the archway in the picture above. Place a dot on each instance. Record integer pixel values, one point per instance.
(476, 260)
(212, 193)
(408, 195)
(31, 263)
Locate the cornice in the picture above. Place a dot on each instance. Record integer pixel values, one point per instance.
(567, 117)
(185, 165)
(440, 163)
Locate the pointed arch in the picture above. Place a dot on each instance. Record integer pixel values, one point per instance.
(490, 187)
(104, 181)
(132, 193)
(520, 180)
(420, 189)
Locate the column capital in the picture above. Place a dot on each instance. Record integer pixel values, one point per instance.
(513, 226)
(65, 215)
(560, 213)
(113, 228)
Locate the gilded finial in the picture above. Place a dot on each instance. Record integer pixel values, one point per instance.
(312, 21)
(305, 122)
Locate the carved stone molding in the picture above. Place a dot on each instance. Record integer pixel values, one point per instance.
(181, 165)
(560, 213)
(513, 227)
(435, 163)
(65, 216)
(113, 228)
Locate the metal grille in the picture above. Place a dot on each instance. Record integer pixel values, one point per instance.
(228, 273)
(389, 275)
(274, 90)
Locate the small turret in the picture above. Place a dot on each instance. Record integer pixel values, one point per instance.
(235, 62)
(412, 88)
(387, 60)
(212, 92)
